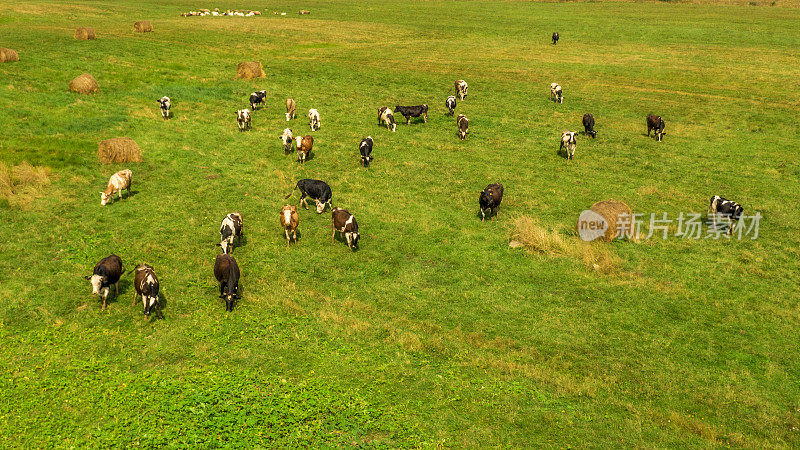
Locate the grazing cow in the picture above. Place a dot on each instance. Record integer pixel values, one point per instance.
(226, 271)
(413, 111)
(290, 221)
(290, 109)
(555, 38)
(287, 138)
(243, 118)
(490, 199)
(463, 126)
(166, 104)
(345, 223)
(588, 125)
(313, 119)
(568, 143)
(230, 229)
(450, 104)
(106, 273)
(385, 115)
(461, 89)
(724, 209)
(317, 190)
(555, 93)
(145, 284)
(655, 123)
(365, 148)
(257, 98)
(304, 146)
(117, 183)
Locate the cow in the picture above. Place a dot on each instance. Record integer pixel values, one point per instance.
(463, 126)
(450, 104)
(385, 115)
(166, 104)
(107, 272)
(243, 118)
(287, 138)
(413, 111)
(257, 98)
(317, 190)
(230, 230)
(724, 209)
(555, 93)
(145, 284)
(490, 199)
(313, 119)
(304, 146)
(226, 271)
(365, 148)
(117, 183)
(568, 143)
(290, 221)
(461, 89)
(588, 125)
(290, 109)
(655, 123)
(345, 223)
(555, 38)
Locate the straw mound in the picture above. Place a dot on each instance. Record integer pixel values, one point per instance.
(143, 26)
(123, 149)
(304, 12)
(84, 84)
(20, 185)
(84, 33)
(615, 213)
(8, 55)
(249, 70)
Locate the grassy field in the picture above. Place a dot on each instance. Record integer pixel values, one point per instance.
(435, 332)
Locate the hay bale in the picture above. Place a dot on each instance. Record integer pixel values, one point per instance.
(142, 26)
(304, 12)
(84, 33)
(8, 55)
(248, 70)
(123, 149)
(84, 84)
(605, 220)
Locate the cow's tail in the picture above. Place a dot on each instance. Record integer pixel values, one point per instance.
(292, 192)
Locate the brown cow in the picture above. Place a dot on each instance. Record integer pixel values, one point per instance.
(345, 223)
(290, 109)
(304, 146)
(290, 221)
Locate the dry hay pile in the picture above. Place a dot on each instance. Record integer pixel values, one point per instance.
(142, 26)
(84, 33)
(84, 84)
(618, 218)
(248, 70)
(304, 11)
(8, 55)
(20, 185)
(123, 149)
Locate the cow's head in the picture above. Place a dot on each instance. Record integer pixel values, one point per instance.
(230, 298)
(150, 303)
(225, 246)
(352, 238)
(97, 283)
(320, 206)
(104, 198)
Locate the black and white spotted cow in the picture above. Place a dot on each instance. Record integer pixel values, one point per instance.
(386, 116)
(243, 119)
(555, 38)
(316, 190)
(461, 89)
(230, 229)
(166, 104)
(568, 143)
(450, 104)
(723, 209)
(463, 126)
(556, 94)
(106, 273)
(257, 98)
(313, 119)
(655, 123)
(588, 125)
(345, 223)
(365, 148)
(287, 138)
(145, 284)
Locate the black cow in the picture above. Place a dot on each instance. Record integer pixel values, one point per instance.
(105, 273)
(257, 98)
(145, 283)
(345, 223)
(365, 148)
(413, 111)
(655, 123)
(490, 199)
(317, 190)
(555, 38)
(226, 271)
(450, 104)
(725, 209)
(588, 125)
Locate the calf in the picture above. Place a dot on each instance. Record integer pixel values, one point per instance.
(317, 190)
(655, 123)
(290, 221)
(385, 115)
(724, 209)
(105, 273)
(588, 125)
(287, 138)
(568, 143)
(490, 199)
(145, 284)
(450, 104)
(313, 119)
(243, 118)
(117, 183)
(555, 93)
(165, 106)
(290, 109)
(413, 111)
(345, 223)
(365, 148)
(226, 271)
(304, 146)
(257, 98)
(230, 229)
(463, 126)
(555, 38)
(461, 89)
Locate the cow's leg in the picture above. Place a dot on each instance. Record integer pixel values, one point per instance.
(483, 215)
(333, 236)
(105, 296)
(425, 117)
(116, 289)
(294, 235)
(134, 296)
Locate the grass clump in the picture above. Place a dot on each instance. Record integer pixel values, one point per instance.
(20, 185)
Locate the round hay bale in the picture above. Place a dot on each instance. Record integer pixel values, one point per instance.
(8, 55)
(123, 149)
(84, 84)
(249, 70)
(84, 33)
(605, 221)
(142, 26)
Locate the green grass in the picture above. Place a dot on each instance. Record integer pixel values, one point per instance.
(434, 333)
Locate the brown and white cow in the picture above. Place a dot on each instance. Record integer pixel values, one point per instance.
(290, 109)
(304, 146)
(463, 126)
(556, 93)
(461, 89)
(290, 220)
(117, 183)
(345, 223)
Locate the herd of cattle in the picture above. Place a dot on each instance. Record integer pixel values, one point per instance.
(108, 271)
